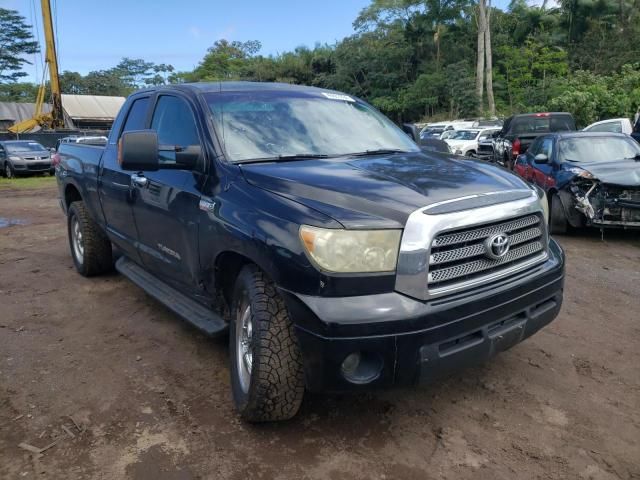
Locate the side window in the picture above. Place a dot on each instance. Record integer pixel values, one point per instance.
(174, 122)
(137, 115)
(545, 147)
(615, 127)
(534, 149)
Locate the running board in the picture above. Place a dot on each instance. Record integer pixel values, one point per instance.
(193, 312)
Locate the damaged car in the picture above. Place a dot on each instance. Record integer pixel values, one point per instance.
(591, 179)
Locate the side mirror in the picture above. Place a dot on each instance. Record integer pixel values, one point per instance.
(541, 158)
(138, 151)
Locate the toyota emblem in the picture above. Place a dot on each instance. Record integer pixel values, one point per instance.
(497, 246)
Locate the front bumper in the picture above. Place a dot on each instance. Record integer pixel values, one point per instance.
(406, 341)
(32, 167)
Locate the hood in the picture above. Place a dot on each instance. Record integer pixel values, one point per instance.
(40, 153)
(381, 191)
(617, 172)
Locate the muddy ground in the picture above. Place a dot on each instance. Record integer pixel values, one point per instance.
(151, 397)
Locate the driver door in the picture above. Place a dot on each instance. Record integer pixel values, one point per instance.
(542, 172)
(166, 201)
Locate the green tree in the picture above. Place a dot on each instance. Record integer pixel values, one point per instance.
(16, 41)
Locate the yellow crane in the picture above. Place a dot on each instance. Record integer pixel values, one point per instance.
(55, 118)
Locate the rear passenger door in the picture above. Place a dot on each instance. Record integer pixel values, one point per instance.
(115, 184)
(166, 207)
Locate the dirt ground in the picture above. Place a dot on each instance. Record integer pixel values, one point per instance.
(151, 397)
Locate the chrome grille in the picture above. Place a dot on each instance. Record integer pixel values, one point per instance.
(461, 256)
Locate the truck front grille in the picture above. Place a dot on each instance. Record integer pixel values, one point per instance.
(462, 256)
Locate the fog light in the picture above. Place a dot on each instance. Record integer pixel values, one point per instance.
(362, 367)
(351, 363)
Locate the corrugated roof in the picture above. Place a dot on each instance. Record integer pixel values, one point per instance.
(91, 107)
(17, 112)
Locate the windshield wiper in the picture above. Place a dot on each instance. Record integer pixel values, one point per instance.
(285, 158)
(636, 157)
(381, 151)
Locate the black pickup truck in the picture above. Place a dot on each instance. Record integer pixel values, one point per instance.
(339, 255)
(520, 131)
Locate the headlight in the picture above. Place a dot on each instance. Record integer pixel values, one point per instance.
(351, 251)
(15, 159)
(581, 172)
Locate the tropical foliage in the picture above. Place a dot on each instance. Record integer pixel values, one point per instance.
(417, 59)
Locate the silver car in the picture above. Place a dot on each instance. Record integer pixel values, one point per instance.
(24, 157)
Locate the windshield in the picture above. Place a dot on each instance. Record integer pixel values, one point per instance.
(465, 135)
(271, 124)
(17, 147)
(433, 130)
(597, 149)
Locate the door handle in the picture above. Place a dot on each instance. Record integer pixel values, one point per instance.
(139, 180)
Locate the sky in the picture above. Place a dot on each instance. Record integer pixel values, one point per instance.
(96, 34)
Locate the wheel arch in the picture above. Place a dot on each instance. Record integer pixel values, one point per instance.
(71, 194)
(227, 267)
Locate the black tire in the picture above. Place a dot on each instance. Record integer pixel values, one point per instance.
(558, 223)
(93, 254)
(9, 172)
(274, 385)
(471, 153)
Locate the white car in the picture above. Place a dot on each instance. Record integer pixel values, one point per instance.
(465, 142)
(614, 125)
(442, 130)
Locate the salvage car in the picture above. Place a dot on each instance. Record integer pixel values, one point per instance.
(591, 179)
(612, 125)
(338, 255)
(465, 142)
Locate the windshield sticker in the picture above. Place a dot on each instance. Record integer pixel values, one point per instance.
(338, 96)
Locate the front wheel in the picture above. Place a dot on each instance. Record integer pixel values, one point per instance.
(558, 223)
(267, 377)
(8, 170)
(90, 247)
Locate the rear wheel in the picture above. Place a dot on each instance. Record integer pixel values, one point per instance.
(558, 223)
(90, 247)
(267, 377)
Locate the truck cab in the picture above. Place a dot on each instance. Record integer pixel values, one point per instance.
(520, 131)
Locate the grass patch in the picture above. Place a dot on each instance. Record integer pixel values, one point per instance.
(36, 181)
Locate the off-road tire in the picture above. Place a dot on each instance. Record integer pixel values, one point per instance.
(558, 223)
(276, 385)
(98, 255)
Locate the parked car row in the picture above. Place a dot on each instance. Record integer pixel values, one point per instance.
(592, 177)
